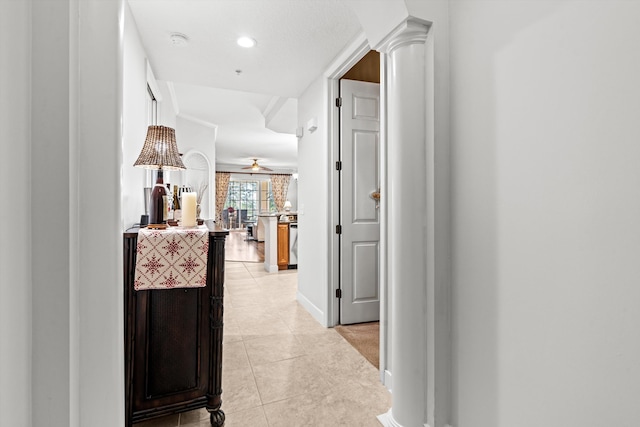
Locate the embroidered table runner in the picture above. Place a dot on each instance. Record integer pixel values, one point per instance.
(171, 258)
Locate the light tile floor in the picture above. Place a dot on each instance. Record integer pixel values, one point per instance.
(281, 368)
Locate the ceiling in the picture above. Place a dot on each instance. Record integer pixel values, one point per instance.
(250, 94)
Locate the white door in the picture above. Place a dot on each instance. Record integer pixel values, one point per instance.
(359, 216)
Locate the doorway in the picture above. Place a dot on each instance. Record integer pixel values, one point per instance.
(357, 207)
(358, 172)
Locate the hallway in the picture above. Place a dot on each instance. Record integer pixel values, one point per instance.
(239, 248)
(281, 367)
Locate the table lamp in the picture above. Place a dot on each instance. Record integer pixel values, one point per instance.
(160, 152)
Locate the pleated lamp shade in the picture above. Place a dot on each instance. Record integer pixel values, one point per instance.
(160, 150)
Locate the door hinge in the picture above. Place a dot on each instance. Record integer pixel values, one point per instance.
(339, 102)
(338, 293)
(338, 229)
(338, 165)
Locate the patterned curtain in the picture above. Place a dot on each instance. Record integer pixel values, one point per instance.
(279, 188)
(222, 187)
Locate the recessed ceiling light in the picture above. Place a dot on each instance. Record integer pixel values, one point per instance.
(179, 39)
(246, 42)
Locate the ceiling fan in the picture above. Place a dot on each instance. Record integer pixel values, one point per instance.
(256, 167)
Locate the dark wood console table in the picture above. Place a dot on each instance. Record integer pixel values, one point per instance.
(173, 341)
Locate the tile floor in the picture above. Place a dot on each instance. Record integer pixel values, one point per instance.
(281, 368)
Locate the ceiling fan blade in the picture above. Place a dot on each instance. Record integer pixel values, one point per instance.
(256, 167)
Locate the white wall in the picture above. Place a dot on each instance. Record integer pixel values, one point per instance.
(167, 111)
(379, 17)
(135, 122)
(201, 138)
(15, 217)
(313, 192)
(545, 107)
(134, 125)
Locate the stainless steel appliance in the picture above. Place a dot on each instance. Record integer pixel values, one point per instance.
(293, 245)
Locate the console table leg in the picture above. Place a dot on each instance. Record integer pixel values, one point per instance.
(217, 418)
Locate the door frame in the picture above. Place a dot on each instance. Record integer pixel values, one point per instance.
(350, 56)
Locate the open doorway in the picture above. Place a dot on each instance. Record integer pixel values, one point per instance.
(247, 196)
(358, 169)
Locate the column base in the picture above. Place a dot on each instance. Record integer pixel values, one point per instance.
(387, 420)
(270, 268)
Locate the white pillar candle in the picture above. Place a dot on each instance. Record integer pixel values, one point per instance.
(189, 209)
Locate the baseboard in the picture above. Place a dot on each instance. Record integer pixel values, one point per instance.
(387, 380)
(387, 420)
(311, 308)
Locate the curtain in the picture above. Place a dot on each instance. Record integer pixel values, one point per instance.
(222, 188)
(279, 188)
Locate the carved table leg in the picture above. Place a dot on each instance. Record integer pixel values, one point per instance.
(216, 316)
(217, 418)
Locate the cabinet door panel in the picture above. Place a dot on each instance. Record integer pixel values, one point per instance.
(283, 246)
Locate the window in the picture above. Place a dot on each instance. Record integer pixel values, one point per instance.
(248, 199)
(266, 197)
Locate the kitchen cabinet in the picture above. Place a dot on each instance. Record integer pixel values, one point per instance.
(283, 245)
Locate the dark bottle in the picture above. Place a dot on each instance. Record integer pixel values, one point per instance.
(158, 208)
(177, 212)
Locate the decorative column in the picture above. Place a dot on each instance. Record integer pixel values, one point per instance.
(408, 176)
(270, 223)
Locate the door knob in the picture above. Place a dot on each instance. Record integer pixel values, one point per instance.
(375, 195)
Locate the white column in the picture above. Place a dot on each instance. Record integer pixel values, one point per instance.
(408, 204)
(270, 243)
